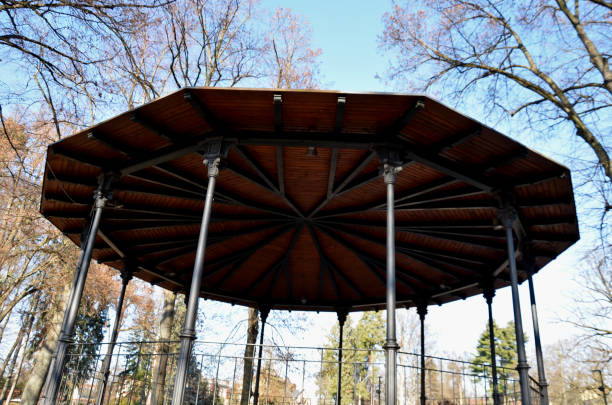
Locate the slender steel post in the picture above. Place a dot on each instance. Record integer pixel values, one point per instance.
(602, 387)
(264, 311)
(126, 276)
(188, 334)
(538, 345)
(508, 216)
(101, 196)
(391, 347)
(422, 311)
(341, 320)
(489, 293)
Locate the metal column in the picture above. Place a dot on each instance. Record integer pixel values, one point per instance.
(422, 311)
(126, 276)
(507, 216)
(489, 293)
(602, 387)
(188, 334)
(56, 368)
(391, 346)
(263, 311)
(538, 345)
(341, 321)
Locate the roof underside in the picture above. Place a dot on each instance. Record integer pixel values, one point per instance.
(303, 228)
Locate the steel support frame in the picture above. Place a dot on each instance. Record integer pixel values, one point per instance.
(56, 368)
(508, 215)
(422, 311)
(341, 320)
(126, 276)
(391, 167)
(538, 344)
(489, 293)
(212, 161)
(264, 311)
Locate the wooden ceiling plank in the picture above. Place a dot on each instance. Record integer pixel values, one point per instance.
(418, 191)
(419, 279)
(324, 263)
(445, 197)
(152, 180)
(256, 166)
(280, 170)
(366, 259)
(252, 249)
(202, 110)
(502, 161)
(157, 129)
(403, 121)
(456, 140)
(333, 163)
(370, 238)
(349, 176)
(247, 176)
(276, 267)
(449, 168)
(140, 265)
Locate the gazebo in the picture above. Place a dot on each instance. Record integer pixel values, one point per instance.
(311, 200)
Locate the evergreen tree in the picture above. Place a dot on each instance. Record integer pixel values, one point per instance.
(82, 356)
(360, 351)
(505, 354)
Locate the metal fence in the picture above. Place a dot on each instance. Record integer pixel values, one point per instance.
(288, 376)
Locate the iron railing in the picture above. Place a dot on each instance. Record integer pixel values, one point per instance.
(289, 376)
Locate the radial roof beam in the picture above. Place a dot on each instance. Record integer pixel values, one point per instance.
(278, 113)
(403, 121)
(456, 140)
(339, 114)
(202, 110)
(157, 129)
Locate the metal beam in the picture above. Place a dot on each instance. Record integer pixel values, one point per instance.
(331, 267)
(280, 170)
(239, 171)
(333, 162)
(403, 196)
(456, 140)
(202, 110)
(404, 246)
(278, 113)
(449, 168)
(256, 166)
(501, 161)
(337, 237)
(157, 129)
(341, 104)
(223, 260)
(403, 121)
(349, 176)
(366, 259)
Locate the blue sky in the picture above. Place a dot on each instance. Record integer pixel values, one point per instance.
(347, 33)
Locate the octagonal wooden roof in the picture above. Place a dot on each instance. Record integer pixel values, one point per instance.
(299, 214)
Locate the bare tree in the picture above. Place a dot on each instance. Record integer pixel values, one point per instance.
(546, 60)
(212, 43)
(249, 355)
(592, 312)
(292, 63)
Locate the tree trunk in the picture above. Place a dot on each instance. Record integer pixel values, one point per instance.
(249, 351)
(20, 365)
(11, 369)
(165, 332)
(42, 356)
